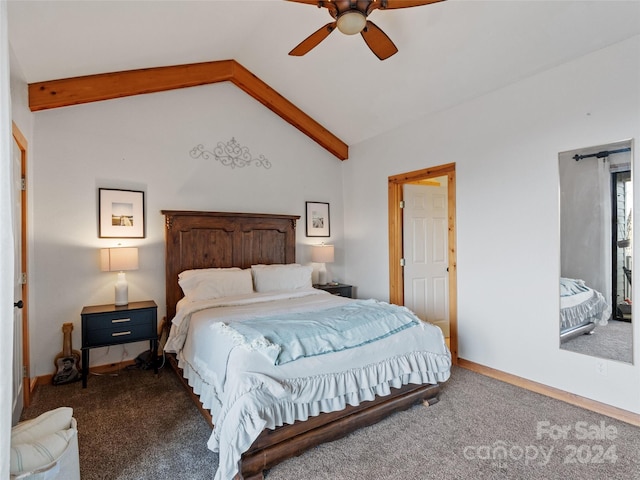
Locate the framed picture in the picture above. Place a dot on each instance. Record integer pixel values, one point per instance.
(318, 219)
(121, 214)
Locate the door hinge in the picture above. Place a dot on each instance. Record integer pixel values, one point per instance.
(402, 262)
(23, 183)
(401, 203)
(24, 371)
(23, 278)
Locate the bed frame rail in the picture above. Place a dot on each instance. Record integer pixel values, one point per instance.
(274, 446)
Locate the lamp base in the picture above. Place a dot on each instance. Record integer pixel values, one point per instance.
(122, 290)
(322, 274)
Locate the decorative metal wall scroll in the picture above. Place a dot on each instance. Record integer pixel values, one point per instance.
(230, 154)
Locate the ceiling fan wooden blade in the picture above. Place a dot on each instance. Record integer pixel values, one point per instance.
(313, 40)
(390, 4)
(378, 41)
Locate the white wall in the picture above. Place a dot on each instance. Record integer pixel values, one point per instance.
(505, 146)
(20, 113)
(143, 143)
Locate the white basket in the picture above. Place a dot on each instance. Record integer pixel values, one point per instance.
(65, 467)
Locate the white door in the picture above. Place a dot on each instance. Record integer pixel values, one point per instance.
(18, 362)
(425, 249)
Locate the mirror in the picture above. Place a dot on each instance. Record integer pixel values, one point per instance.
(596, 255)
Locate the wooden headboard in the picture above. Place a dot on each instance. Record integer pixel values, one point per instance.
(221, 240)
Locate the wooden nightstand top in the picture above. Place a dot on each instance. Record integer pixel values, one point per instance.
(91, 309)
(342, 289)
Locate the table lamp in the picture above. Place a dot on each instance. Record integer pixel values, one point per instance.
(118, 260)
(322, 254)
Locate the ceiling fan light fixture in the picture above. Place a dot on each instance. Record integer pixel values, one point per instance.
(352, 22)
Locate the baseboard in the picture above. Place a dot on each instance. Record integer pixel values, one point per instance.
(97, 369)
(577, 400)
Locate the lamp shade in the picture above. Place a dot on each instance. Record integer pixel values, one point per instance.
(322, 254)
(118, 259)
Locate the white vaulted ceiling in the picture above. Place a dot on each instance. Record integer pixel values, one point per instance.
(449, 52)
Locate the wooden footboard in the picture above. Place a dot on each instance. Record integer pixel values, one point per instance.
(274, 446)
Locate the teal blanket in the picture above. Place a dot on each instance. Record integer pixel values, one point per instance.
(570, 286)
(288, 337)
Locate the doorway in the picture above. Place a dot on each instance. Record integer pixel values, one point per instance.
(425, 251)
(21, 381)
(396, 238)
(622, 245)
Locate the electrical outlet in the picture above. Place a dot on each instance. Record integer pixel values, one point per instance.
(601, 368)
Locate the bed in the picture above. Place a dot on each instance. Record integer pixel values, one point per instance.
(581, 309)
(267, 407)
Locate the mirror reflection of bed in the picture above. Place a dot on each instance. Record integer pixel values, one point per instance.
(596, 261)
(588, 324)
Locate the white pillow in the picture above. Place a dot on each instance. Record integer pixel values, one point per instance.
(47, 423)
(189, 278)
(270, 278)
(25, 457)
(211, 283)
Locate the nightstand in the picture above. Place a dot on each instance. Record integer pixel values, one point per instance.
(106, 325)
(339, 289)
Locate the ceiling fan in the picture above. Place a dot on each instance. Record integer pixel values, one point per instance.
(350, 17)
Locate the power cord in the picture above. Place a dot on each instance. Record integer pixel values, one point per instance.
(125, 354)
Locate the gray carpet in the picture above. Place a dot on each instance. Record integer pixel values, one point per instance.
(613, 341)
(138, 426)
(133, 426)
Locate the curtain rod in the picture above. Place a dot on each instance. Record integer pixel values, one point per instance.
(602, 154)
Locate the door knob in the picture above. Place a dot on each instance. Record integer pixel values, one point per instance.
(18, 304)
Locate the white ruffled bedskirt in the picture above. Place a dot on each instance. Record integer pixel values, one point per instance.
(260, 402)
(591, 308)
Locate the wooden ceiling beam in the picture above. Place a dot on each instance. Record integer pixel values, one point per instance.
(275, 102)
(106, 86)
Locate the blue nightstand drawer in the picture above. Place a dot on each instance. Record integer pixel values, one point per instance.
(105, 325)
(118, 319)
(121, 330)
